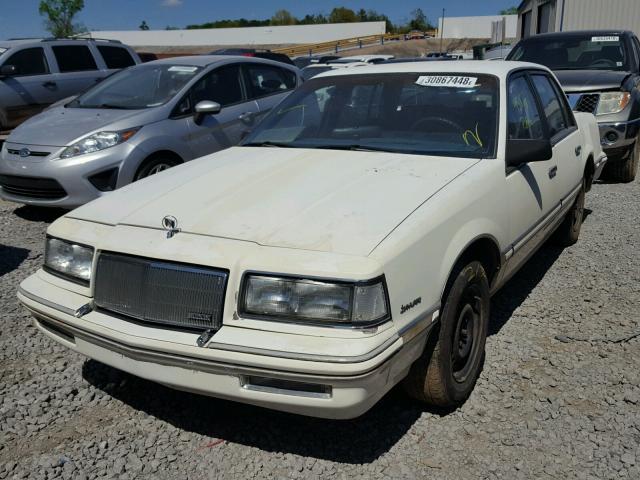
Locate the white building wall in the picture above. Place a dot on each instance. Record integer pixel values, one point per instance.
(293, 34)
(599, 14)
(476, 27)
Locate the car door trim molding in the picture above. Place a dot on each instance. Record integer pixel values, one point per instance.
(531, 233)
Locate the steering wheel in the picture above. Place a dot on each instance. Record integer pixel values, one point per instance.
(441, 120)
(605, 62)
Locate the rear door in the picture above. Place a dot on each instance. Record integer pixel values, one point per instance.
(225, 129)
(268, 85)
(77, 69)
(566, 171)
(115, 57)
(532, 196)
(31, 88)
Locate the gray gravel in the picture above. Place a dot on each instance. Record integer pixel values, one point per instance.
(559, 396)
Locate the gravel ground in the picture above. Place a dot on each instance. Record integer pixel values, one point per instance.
(559, 396)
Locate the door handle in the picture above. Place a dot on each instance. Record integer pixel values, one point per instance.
(578, 150)
(246, 117)
(553, 171)
(49, 84)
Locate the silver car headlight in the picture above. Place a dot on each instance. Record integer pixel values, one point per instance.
(306, 300)
(68, 259)
(612, 102)
(98, 141)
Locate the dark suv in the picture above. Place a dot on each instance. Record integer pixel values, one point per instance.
(600, 72)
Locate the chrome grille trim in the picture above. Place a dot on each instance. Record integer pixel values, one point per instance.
(155, 291)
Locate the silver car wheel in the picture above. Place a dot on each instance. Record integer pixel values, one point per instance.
(158, 168)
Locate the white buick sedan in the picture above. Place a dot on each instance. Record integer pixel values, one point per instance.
(351, 243)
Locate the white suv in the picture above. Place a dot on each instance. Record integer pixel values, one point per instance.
(35, 73)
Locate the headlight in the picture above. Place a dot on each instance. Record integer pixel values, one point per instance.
(68, 259)
(314, 301)
(98, 141)
(612, 102)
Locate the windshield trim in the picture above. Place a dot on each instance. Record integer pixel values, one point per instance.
(311, 85)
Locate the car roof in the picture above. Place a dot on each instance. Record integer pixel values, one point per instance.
(15, 42)
(206, 60)
(365, 57)
(499, 69)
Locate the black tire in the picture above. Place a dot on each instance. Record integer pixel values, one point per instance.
(569, 230)
(624, 169)
(153, 166)
(447, 371)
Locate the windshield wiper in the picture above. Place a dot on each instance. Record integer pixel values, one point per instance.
(357, 148)
(267, 144)
(105, 105)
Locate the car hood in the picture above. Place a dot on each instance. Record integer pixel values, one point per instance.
(590, 80)
(324, 200)
(60, 126)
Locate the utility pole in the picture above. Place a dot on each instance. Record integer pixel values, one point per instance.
(441, 31)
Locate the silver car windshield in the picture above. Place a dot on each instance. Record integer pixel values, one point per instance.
(444, 114)
(140, 87)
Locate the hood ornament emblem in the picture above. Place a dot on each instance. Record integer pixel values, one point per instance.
(170, 224)
(24, 153)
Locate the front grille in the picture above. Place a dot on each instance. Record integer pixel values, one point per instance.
(588, 103)
(32, 187)
(28, 153)
(154, 291)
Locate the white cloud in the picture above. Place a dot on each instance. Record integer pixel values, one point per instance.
(172, 3)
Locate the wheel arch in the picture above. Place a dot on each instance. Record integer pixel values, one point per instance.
(589, 172)
(158, 154)
(483, 248)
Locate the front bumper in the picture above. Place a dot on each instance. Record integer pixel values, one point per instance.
(71, 174)
(617, 137)
(347, 385)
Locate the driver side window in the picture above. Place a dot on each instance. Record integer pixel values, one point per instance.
(221, 85)
(523, 118)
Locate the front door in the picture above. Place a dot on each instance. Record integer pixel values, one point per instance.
(224, 129)
(532, 197)
(28, 90)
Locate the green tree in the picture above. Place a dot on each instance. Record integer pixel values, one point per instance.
(419, 20)
(283, 17)
(144, 26)
(342, 15)
(509, 11)
(59, 16)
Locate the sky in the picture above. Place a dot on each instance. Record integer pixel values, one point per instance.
(20, 18)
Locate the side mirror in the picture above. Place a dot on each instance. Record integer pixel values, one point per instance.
(525, 151)
(8, 70)
(206, 107)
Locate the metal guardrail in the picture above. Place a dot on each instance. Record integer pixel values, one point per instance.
(344, 44)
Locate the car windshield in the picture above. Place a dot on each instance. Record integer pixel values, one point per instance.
(144, 86)
(575, 52)
(444, 114)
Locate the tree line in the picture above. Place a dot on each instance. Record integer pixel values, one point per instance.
(418, 20)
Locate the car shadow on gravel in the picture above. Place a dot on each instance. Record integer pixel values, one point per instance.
(11, 258)
(518, 288)
(39, 214)
(357, 441)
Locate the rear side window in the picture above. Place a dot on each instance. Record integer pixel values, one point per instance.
(267, 79)
(30, 61)
(74, 58)
(551, 104)
(116, 57)
(523, 119)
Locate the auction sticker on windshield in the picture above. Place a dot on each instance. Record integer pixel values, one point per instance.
(446, 81)
(605, 39)
(183, 69)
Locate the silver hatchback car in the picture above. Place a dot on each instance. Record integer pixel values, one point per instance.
(138, 122)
